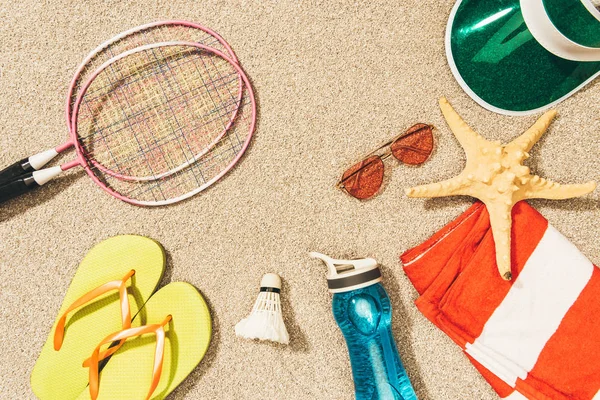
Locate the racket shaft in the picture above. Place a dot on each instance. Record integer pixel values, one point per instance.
(26, 183)
(15, 170)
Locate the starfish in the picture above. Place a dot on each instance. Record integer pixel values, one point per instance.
(495, 174)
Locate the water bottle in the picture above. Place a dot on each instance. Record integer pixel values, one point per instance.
(363, 311)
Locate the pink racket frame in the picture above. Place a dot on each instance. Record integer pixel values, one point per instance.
(81, 160)
(83, 65)
(68, 111)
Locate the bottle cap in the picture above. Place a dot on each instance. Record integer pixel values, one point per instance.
(347, 275)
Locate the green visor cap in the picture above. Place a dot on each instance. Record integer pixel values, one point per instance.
(521, 57)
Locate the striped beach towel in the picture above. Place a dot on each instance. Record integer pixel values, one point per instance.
(535, 337)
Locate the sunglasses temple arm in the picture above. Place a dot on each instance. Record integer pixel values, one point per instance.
(389, 143)
(405, 133)
(383, 146)
(341, 182)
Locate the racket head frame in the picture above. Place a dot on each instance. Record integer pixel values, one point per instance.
(73, 86)
(85, 163)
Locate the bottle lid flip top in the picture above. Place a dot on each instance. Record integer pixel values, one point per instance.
(347, 275)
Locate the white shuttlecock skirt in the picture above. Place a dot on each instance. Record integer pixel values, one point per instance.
(265, 322)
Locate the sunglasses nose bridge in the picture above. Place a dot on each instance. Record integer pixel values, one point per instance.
(386, 155)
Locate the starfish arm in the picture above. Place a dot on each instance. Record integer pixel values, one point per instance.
(466, 136)
(450, 187)
(544, 189)
(526, 141)
(500, 222)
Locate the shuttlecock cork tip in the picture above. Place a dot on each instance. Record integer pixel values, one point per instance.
(271, 281)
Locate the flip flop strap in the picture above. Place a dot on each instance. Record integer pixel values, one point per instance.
(119, 285)
(94, 361)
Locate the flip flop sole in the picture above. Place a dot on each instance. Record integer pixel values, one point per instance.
(128, 373)
(58, 374)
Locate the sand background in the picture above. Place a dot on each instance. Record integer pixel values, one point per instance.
(334, 79)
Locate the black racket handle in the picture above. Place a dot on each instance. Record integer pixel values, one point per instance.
(17, 187)
(11, 172)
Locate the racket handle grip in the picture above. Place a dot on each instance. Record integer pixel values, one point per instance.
(28, 182)
(14, 171)
(17, 187)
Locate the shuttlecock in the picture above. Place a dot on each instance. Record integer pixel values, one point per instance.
(265, 322)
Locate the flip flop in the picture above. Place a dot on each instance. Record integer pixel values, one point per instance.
(176, 334)
(519, 57)
(113, 281)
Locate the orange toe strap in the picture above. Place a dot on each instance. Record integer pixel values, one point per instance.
(120, 285)
(94, 361)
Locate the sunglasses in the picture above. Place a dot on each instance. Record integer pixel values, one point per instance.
(413, 147)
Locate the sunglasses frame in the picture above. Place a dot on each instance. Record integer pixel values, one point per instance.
(382, 157)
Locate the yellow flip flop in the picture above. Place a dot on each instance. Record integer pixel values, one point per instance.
(158, 355)
(112, 283)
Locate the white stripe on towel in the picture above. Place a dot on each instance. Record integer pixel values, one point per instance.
(515, 396)
(517, 331)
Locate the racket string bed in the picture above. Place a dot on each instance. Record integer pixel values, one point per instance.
(196, 175)
(151, 33)
(158, 109)
(234, 103)
(149, 123)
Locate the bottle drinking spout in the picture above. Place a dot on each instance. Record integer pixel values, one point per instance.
(334, 265)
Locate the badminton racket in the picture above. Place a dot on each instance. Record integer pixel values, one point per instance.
(162, 31)
(147, 110)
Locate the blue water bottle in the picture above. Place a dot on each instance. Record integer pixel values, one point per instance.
(363, 311)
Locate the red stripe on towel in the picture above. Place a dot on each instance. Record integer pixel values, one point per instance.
(570, 358)
(455, 273)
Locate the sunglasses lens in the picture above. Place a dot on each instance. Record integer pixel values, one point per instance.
(415, 146)
(364, 179)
